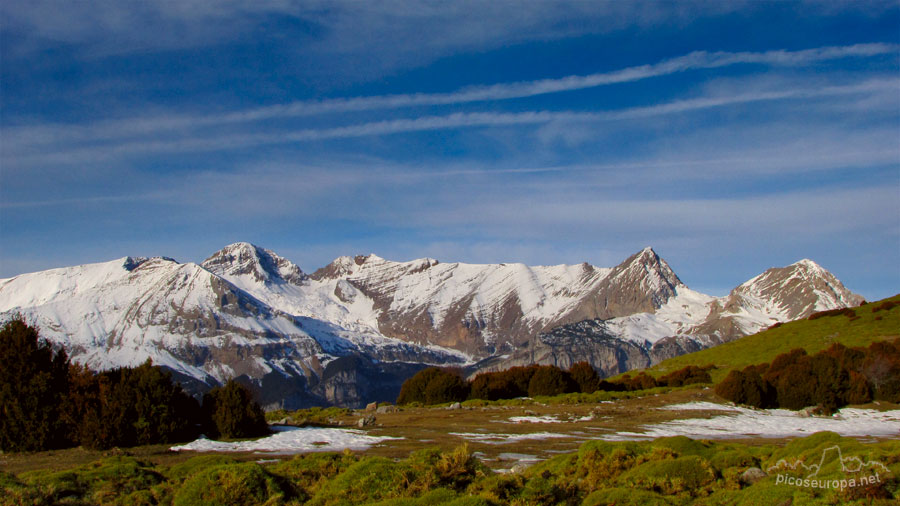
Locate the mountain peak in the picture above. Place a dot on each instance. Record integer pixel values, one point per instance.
(798, 289)
(643, 282)
(647, 264)
(244, 258)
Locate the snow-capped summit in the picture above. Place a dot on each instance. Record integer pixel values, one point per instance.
(357, 326)
(794, 291)
(245, 259)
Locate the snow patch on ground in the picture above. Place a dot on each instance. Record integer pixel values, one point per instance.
(288, 440)
(535, 419)
(767, 423)
(500, 439)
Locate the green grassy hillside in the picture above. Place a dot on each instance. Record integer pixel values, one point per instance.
(860, 326)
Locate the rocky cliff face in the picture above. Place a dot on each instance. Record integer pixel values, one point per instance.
(354, 330)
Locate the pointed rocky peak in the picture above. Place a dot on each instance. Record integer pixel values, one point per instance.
(647, 269)
(245, 259)
(797, 290)
(643, 283)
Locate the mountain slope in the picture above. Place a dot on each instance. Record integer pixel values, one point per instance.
(180, 315)
(353, 330)
(202, 327)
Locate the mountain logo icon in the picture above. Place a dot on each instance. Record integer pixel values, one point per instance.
(850, 464)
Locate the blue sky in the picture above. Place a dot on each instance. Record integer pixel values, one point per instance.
(730, 136)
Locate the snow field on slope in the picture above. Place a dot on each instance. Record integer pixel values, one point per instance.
(39, 288)
(543, 292)
(687, 309)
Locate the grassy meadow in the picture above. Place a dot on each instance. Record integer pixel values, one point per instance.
(665, 471)
(445, 456)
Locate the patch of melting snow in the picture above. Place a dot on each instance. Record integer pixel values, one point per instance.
(288, 439)
(534, 419)
(767, 423)
(519, 457)
(500, 439)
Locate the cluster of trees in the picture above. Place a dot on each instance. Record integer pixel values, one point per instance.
(829, 379)
(687, 375)
(437, 386)
(46, 402)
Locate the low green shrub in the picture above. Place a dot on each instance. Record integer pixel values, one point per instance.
(619, 496)
(690, 475)
(498, 488)
(683, 445)
(440, 496)
(307, 473)
(100, 482)
(454, 470)
(233, 484)
(370, 479)
(184, 470)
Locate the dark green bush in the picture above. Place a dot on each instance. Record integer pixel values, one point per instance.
(746, 387)
(433, 386)
(550, 380)
(881, 367)
(641, 381)
(829, 379)
(490, 387)
(688, 375)
(585, 376)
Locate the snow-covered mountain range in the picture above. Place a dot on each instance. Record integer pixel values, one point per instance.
(352, 331)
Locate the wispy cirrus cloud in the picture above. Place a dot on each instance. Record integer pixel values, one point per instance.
(142, 126)
(24, 155)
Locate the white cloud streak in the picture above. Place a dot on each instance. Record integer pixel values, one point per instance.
(698, 60)
(693, 61)
(431, 123)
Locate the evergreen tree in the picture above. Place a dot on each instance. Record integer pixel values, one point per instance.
(231, 412)
(33, 384)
